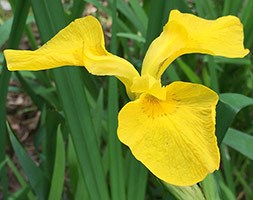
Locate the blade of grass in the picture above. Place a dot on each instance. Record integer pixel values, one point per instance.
(156, 14)
(188, 71)
(36, 178)
(231, 7)
(99, 5)
(239, 141)
(140, 13)
(206, 9)
(5, 29)
(206, 77)
(77, 184)
(59, 168)
(246, 187)
(77, 9)
(35, 98)
(225, 191)
(212, 66)
(47, 137)
(172, 73)
(97, 111)
(227, 194)
(246, 17)
(31, 37)
(81, 193)
(83, 134)
(228, 168)
(175, 4)
(75, 106)
(3, 163)
(232, 61)
(137, 178)
(20, 179)
(132, 36)
(210, 188)
(124, 8)
(20, 194)
(17, 28)
(117, 180)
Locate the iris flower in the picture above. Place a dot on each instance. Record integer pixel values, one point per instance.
(170, 129)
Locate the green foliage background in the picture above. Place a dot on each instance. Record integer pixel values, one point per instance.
(79, 154)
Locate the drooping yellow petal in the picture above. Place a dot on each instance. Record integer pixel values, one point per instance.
(186, 33)
(81, 43)
(175, 139)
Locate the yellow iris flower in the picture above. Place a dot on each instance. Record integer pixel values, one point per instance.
(170, 129)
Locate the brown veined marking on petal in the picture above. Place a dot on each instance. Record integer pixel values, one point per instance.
(159, 67)
(153, 107)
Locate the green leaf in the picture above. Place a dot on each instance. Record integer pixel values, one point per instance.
(236, 101)
(117, 179)
(239, 141)
(206, 9)
(125, 9)
(231, 7)
(137, 177)
(5, 29)
(75, 106)
(3, 163)
(77, 183)
(227, 168)
(77, 9)
(17, 28)
(35, 176)
(226, 191)
(59, 169)
(210, 188)
(139, 11)
(36, 99)
(156, 15)
(132, 36)
(229, 105)
(81, 190)
(246, 16)
(212, 66)
(20, 194)
(188, 71)
(20, 179)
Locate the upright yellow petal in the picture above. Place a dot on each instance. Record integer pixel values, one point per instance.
(175, 139)
(147, 84)
(81, 43)
(186, 33)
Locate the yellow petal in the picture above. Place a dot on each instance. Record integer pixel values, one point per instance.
(81, 43)
(175, 139)
(186, 33)
(147, 84)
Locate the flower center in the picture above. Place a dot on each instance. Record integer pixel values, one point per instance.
(149, 85)
(154, 107)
